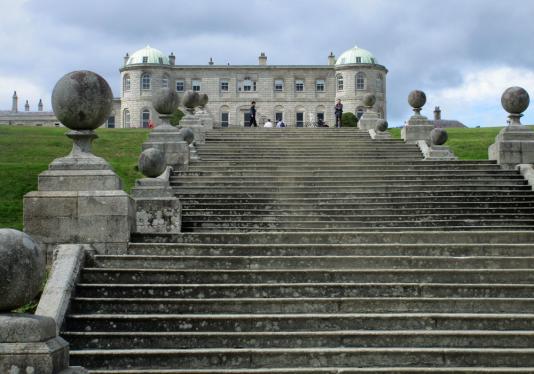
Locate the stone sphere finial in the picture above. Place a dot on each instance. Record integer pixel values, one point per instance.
(191, 99)
(438, 136)
(165, 101)
(515, 100)
(369, 100)
(381, 125)
(82, 100)
(152, 162)
(22, 269)
(417, 100)
(187, 134)
(203, 100)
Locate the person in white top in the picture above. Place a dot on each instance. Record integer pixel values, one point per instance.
(280, 124)
(268, 123)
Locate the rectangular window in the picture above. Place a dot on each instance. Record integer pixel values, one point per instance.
(358, 60)
(299, 85)
(111, 122)
(145, 59)
(195, 85)
(300, 119)
(279, 116)
(278, 85)
(224, 85)
(320, 116)
(180, 85)
(224, 119)
(319, 85)
(249, 85)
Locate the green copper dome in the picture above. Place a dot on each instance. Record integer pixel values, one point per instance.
(148, 55)
(356, 56)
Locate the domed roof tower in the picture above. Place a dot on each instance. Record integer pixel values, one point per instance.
(148, 55)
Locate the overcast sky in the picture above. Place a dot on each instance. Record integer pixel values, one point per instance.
(463, 53)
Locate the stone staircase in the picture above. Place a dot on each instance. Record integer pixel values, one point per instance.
(319, 251)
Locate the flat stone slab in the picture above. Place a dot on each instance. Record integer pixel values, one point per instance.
(26, 328)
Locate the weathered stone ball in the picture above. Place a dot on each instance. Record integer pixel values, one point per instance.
(165, 101)
(417, 99)
(369, 100)
(82, 100)
(381, 125)
(438, 136)
(187, 134)
(515, 100)
(191, 99)
(203, 99)
(22, 269)
(152, 162)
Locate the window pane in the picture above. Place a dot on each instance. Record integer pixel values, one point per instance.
(179, 85)
(320, 116)
(300, 119)
(319, 85)
(145, 82)
(279, 85)
(165, 82)
(279, 116)
(360, 81)
(224, 119)
(195, 85)
(299, 85)
(224, 85)
(340, 83)
(145, 118)
(145, 59)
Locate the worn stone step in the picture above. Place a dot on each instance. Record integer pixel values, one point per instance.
(316, 262)
(306, 290)
(332, 305)
(303, 357)
(304, 339)
(453, 250)
(349, 237)
(202, 276)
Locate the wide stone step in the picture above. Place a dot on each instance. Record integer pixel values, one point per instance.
(453, 250)
(306, 290)
(203, 276)
(302, 339)
(348, 237)
(315, 262)
(299, 322)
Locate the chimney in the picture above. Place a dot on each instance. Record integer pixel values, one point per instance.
(437, 113)
(172, 59)
(126, 58)
(211, 61)
(27, 106)
(40, 105)
(262, 60)
(331, 58)
(15, 105)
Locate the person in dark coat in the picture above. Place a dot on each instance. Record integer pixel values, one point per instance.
(338, 112)
(253, 115)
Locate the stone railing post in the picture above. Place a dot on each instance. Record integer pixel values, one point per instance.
(380, 130)
(28, 343)
(191, 101)
(370, 117)
(165, 137)
(436, 151)
(515, 143)
(417, 127)
(79, 197)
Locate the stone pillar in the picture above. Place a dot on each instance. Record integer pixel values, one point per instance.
(331, 59)
(172, 59)
(79, 198)
(436, 151)
(28, 343)
(437, 113)
(370, 118)
(262, 59)
(190, 101)
(206, 119)
(157, 209)
(40, 105)
(126, 58)
(515, 143)
(417, 127)
(27, 106)
(15, 103)
(165, 137)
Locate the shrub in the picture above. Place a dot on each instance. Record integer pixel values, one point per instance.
(176, 117)
(348, 119)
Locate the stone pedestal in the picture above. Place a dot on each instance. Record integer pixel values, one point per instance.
(436, 152)
(29, 344)
(195, 124)
(379, 134)
(368, 120)
(417, 128)
(157, 209)
(513, 145)
(168, 140)
(206, 119)
(79, 200)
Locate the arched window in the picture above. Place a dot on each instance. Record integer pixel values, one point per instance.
(145, 118)
(225, 116)
(165, 81)
(126, 118)
(379, 83)
(339, 80)
(126, 82)
(145, 81)
(360, 81)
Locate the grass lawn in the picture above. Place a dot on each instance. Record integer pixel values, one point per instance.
(26, 151)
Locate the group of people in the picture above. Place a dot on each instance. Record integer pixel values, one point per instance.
(338, 111)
